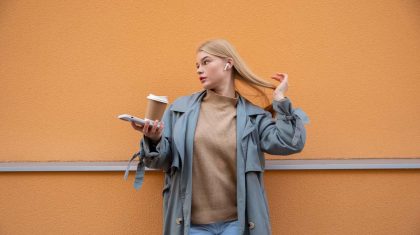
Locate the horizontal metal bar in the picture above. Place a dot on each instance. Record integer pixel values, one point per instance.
(343, 164)
(336, 164)
(68, 166)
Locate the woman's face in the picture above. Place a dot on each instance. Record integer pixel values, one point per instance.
(210, 70)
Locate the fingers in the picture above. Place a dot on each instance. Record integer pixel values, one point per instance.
(150, 129)
(133, 125)
(157, 127)
(283, 86)
(280, 76)
(146, 127)
(153, 129)
(136, 127)
(155, 124)
(284, 75)
(161, 127)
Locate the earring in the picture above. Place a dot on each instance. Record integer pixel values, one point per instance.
(226, 66)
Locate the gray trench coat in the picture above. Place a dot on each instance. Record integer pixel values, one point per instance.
(257, 133)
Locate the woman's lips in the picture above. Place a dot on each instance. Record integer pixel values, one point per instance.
(202, 78)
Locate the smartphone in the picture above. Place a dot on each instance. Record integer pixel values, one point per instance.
(131, 118)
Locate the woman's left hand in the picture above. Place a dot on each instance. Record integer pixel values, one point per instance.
(279, 92)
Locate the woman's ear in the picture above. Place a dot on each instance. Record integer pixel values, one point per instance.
(226, 66)
(230, 61)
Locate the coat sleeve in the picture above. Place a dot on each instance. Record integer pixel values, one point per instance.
(286, 134)
(153, 155)
(158, 155)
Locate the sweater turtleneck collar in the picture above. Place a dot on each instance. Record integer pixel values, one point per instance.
(213, 97)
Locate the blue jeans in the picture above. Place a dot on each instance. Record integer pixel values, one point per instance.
(220, 228)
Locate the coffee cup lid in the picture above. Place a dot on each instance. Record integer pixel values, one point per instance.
(163, 99)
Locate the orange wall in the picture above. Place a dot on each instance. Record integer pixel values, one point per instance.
(68, 68)
(343, 202)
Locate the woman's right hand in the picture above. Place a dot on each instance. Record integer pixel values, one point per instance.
(151, 131)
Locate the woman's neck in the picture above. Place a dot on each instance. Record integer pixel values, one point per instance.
(226, 90)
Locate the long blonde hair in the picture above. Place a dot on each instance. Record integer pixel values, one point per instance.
(223, 49)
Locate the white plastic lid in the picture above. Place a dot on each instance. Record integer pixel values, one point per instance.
(163, 99)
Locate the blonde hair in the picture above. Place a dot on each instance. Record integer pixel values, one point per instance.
(223, 49)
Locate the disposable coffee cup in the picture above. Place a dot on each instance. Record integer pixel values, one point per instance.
(156, 106)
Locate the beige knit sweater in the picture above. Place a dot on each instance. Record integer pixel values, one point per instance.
(214, 161)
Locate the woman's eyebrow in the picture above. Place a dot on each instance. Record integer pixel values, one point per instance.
(202, 59)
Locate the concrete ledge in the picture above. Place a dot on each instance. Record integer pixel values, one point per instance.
(345, 164)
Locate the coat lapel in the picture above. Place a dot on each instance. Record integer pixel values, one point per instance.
(184, 127)
(188, 109)
(244, 110)
(244, 127)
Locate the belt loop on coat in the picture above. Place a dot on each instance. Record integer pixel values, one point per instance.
(127, 170)
(139, 178)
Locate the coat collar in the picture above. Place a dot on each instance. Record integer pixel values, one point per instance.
(189, 106)
(185, 103)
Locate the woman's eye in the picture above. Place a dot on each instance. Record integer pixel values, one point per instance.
(205, 62)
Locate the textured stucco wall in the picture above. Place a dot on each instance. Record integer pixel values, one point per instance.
(301, 202)
(68, 68)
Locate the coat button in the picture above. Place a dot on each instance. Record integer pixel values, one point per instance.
(178, 220)
(251, 225)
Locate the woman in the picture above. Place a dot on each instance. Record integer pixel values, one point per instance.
(210, 145)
